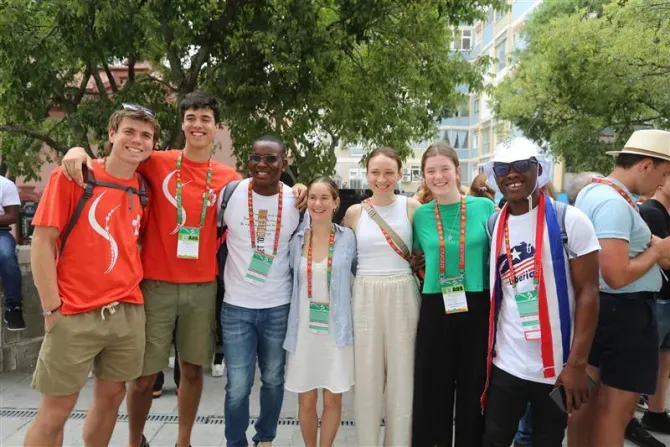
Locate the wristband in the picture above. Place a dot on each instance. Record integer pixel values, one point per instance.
(48, 313)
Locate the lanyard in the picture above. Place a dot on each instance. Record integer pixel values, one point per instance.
(331, 249)
(617, 188)
(205, 195)
(388, 238)
(440, 236)
(252, 229)
(539, 242)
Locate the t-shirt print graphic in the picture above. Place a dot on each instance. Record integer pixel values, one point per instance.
(523, 256)
(173, 199)
(105, 232)
(265, 223)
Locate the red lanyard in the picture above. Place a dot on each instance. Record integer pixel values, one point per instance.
(252, 229)
(440, 236)
(205, 195)
(388, 238)
(331, 250)
(539, 242)
(617, 188)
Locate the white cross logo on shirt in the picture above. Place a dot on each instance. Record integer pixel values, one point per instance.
(136, 225)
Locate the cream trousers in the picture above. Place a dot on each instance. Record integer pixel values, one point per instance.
(386, 311)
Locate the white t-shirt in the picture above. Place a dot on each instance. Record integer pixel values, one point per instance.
(278, 285)
(9, 194)
(514, 354)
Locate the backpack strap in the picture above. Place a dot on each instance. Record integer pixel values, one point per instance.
(227, 194)
(88, 193)
(144, 196)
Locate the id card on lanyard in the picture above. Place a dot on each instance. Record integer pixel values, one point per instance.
(453, 289)
(319, 311)
(527, 302)
(261, 262)
(188, 238)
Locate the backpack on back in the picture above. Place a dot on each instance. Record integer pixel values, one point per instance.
(90, 185)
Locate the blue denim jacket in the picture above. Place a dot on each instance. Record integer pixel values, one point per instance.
(344, 259)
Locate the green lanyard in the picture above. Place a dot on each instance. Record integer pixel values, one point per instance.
(205, 196)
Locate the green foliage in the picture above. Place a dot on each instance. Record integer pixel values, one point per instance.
(592, 72)
(319, 73)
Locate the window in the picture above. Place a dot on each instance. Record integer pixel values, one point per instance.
(486, 140)
(356, 151)
(501, 52)
(463, 110)
(462, 40)
(475, 139)
(489, 19)
(353, 173)
(406, 175)
(460, 139)
(475, 106)
(499, 16)
(416, 173)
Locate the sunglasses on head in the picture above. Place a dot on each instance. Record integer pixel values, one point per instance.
(519, 166)
(269, 159)
(138, 108)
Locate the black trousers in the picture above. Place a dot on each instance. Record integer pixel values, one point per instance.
(507, 401)
(450, 366)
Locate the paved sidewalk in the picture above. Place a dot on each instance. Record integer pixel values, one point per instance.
(161, 430)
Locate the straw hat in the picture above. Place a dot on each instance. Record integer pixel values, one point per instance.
(652, 143)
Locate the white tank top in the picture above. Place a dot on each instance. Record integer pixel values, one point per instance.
(375, 255)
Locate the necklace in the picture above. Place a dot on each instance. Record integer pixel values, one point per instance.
(450, 237)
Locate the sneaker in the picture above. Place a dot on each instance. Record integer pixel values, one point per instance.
(217, 370)
(14, 319)
(639, 436)
(658, 422)
(642, 404)
(144, 442)
(264, 444)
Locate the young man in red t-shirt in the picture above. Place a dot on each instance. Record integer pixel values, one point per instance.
(179, 258)
(89, 324)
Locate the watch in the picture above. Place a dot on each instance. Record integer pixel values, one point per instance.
(46, 313)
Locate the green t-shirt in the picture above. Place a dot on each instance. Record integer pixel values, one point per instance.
(477, 244)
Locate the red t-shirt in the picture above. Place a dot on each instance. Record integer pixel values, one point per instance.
(101, 261)
(159, 250)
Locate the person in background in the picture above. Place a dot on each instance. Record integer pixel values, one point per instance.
(579, 182)
(320, 336)
(10, 273)
(479, 188)
(624, 356)
(385, 304)
(450, 363)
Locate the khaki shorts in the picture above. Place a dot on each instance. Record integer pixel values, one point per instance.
(110, 341)
(191, 308)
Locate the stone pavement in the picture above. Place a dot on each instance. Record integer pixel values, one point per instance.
(18, 402)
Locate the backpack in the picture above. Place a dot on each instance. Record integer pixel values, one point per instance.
(561, 211)
(222, 251)
(91, 183)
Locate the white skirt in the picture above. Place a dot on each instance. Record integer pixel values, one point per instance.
(317, 362)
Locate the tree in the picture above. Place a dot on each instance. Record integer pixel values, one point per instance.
(320, 73)
(592, 72)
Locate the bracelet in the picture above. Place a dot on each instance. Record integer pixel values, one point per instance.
(51, 312)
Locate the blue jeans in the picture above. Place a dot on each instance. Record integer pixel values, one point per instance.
(247, 334)
(525, 434)
(10, 274)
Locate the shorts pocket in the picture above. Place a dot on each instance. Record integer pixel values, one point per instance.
(59, 317)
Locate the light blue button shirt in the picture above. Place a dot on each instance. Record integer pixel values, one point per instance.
(344, 258)
(614, 218)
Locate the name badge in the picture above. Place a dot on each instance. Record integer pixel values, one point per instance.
(528, 306)
(318, 317)
(453, 295)
(188, 243)
(259, 268)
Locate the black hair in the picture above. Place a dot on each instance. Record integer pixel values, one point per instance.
(272, 138)
(627, 161)
(200, 100)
